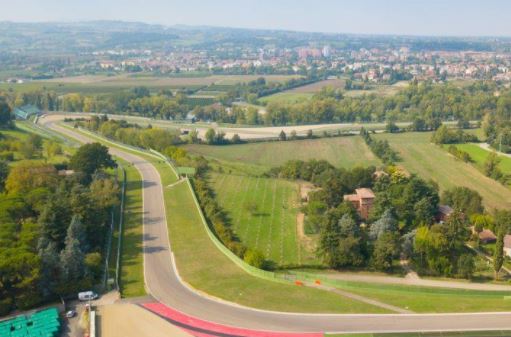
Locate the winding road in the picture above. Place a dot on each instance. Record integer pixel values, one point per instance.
(163, 283)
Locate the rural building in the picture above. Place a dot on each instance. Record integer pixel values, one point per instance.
(362, 200)
(443, 213)
(486, 236)
(507, 245)
(25, 111)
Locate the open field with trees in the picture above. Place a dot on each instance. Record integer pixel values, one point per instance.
(263, 213)
(340, 151)
(480, 155)
(429, 161)
(102, 83)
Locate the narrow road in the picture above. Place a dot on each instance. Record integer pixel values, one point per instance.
(163, 282)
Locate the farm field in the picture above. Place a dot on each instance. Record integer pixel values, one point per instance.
(89, 84)
(379, 90)
(339, 151)
(429, 161)
(316, 87)
(270, 227)
(286, 97)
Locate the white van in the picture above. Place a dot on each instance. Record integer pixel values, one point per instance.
(87, 296)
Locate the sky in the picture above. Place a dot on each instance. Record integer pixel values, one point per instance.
(403, 17)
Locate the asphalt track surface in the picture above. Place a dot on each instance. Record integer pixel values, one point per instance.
(163, 283)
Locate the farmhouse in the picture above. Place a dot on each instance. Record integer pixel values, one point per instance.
(25, 111)
(362, 200)
(507, 245)
(443, 213)
(487, 236)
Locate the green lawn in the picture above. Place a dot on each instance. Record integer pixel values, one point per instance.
(429, 161)
(344, 152)
(132, 259)
(479, 156)
(271, 228)
(424, 299)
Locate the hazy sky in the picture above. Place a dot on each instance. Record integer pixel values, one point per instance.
(426, 17)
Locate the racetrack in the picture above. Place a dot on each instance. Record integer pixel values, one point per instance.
(162, 281)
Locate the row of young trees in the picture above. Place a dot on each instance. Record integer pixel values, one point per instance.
(53, 228)
(380, 148)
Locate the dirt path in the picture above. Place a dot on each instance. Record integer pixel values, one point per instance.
(365, 300)
(129, 320)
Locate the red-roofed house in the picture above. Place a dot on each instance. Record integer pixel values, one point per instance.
(362, 200)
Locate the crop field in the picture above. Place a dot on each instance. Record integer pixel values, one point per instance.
(379, 89)
(286, 97)
(89, 84)
(263, 214)
(429, 161)
(317, 86)
(339, 151)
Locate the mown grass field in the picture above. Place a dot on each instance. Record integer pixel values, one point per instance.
(132, 259)
(203, 266)
(286, 97)
(429, 161)
(426, 299)
(479, 156)
(344, 152)
(317, 86)
(272, 227)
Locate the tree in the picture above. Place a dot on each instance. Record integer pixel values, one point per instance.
(4, 173)
(386, 224)
(464, 199)
(282, 135)
(491, 166)
(254, 258)
(386, 249)
(28, 175)
(72, 258)
(498, 257)
(235, 139)
(210, 136)
(6, 115)
(90, 158)
(466, 266)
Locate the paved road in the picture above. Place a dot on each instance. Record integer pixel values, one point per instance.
(163, 283)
